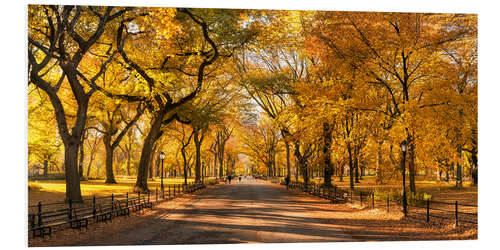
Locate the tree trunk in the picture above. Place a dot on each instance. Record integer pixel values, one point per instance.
(197, 166)
(110, 176)
(378, 171)
(411, 164)
(203, 172)
(73, 191)
(273, 161)
(327, 142)
(142, 170)
(45, 167)
(473, 158)
(90, 165)
(151, 163)
(214, 172)
(302, 164)
(269, 169)
(221, 161)
(473, 169)
(128, 163)
(341, 174)
(304, 171)
(296, 165)
(158, 167)
(183, 152)
(351, 168)
(356, 167)
(57, 168)
(287, 149)
(474, 175)
(458, 180)
(80, 162)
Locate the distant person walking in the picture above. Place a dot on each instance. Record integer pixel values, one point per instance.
(229, 178)
(239, 178)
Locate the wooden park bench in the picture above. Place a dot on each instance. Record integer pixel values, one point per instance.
(313, 190)
(103, 214)
(77, 221)
(139, 203)
(306, 189)
(115, 209)
(324, 192)
(198, 186)
(339, 197)
(317, 191)
(189, 188)
(41, 223)
(55, 218)
(125, 210)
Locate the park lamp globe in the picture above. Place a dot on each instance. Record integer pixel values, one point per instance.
(162, 155)
(403, 146)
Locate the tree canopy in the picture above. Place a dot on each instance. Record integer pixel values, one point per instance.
(222, 91)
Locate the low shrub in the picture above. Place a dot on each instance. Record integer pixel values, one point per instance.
(382, 194)
(416, 199)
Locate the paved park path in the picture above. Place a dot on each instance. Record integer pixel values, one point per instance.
(242, 212)
(249, 212)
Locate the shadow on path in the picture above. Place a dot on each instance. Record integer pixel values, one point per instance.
(251, 212)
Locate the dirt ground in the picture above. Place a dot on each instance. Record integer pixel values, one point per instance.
(253, 212)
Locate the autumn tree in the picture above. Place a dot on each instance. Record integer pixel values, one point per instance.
(114, 117)
(212, 106)
(44, 145)
(92, 140)
(183, 134)
(395, 52)
(59, 46)
(261, 144)
(184, 43)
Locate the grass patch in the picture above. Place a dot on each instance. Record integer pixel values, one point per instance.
(34, 186)
(98, 187)
(55, 190)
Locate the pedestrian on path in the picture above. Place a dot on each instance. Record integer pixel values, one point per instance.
(229, 178)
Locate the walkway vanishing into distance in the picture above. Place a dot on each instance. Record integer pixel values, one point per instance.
(251, 212)
(242, 212)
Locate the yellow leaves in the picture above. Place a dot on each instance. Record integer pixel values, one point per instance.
(244, 16)
(162, 21)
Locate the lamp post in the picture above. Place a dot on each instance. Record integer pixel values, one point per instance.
(403, 171)
(162, 156)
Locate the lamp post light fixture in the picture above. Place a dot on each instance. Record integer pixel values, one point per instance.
(162, 156)
(404, 147)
